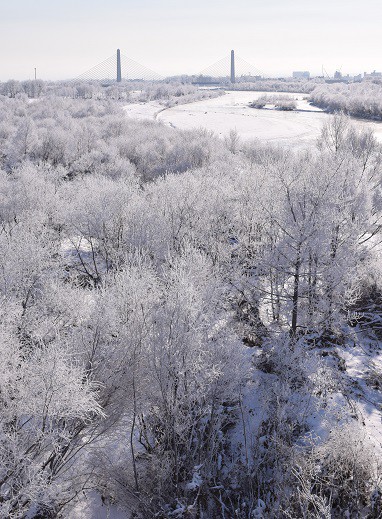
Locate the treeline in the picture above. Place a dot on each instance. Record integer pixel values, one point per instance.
(172, 94)
(168, 93)
(355, 99)
(165, 299)
(89, 137)
(32, 88)
(276, 85)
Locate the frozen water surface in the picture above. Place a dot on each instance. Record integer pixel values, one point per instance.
(297, 129)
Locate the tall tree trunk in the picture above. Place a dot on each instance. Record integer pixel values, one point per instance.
(296, 286)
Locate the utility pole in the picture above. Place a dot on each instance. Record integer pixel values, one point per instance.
(119, 74)
(35, 73)
(232, 66)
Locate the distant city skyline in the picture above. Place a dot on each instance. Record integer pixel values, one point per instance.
(63, 40)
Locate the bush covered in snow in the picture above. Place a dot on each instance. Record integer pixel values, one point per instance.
(356, 99)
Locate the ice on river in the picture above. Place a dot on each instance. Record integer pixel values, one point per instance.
(297, 129)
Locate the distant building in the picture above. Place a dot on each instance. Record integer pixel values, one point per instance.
(301, 74)
(372, 75)
(340, 78)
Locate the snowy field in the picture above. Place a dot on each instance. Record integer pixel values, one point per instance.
(297, 129)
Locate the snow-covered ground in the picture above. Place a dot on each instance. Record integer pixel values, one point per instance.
(143, 110)
(297, 129)
(91, 506)
(366, 396)
(231, 111)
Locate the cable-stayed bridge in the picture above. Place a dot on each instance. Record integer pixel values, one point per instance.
(119, 67)
(229, 68)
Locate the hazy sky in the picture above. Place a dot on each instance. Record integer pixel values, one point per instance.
(63, 39)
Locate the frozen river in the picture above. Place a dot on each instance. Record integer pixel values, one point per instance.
(297, 129)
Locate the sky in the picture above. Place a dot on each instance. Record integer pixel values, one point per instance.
(63, 39)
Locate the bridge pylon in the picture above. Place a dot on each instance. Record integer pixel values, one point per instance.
(233, 66)
(119, 71)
